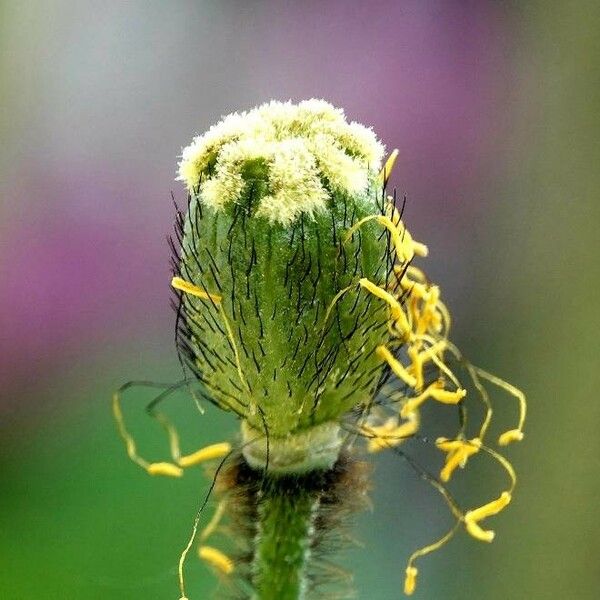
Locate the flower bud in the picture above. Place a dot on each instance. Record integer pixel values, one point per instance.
(274, 321)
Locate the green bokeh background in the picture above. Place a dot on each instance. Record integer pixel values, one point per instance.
(515, 249)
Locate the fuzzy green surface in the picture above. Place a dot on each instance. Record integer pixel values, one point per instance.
(291, 529)
(296, 368)
(283, 540)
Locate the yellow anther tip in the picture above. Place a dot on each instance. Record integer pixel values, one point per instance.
(410, 581)
(490, 509)
(216, 558)
(458, 451)
(477, 532)
(397, 367)
(389, 165)
(164, 468)
(180, 284)
(513, 435)
(420, 249)
(204, 454)
(448, 445)
(445, 474)
(448, 397)
(189, 288)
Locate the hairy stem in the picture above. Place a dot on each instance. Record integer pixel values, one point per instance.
(285, 528)
(289, 528)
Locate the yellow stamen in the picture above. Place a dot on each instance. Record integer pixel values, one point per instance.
(416, 273)
(420, 249)
(385, 173)
(172, 433)
(214, 522)
(401, 239)
(358, 225)
(207, 453)
(403, 243)
(184, 554)
(441, 365)
(458, 452)
(449, 445)
(429, 318)
(483, 395)
(413, 403)
(396, 366)
(483, 535)
(513, 435)
(454, 460)
(216, 559)
(446, 318)
(410, 582)
(334, 301)
(189, 288)
(505, 465)
(418, 291)
(391, 434)
(378, 435)
(490, 509)
(125, 435)
(235, 348)
(164, 468)
(433, 353)
(435, 391)
(396, 311)
(435, 350)
(412, 571)
(413, 247)
(448, 397)
(416, 359)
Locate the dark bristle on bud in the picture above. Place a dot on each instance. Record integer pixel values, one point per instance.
(336, 495)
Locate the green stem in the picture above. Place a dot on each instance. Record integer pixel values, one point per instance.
(286, 514)
(285, 524)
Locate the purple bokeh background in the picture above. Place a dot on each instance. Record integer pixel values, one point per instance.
(494, 108)
(102, 104)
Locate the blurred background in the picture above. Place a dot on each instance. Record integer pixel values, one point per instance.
(495, 109)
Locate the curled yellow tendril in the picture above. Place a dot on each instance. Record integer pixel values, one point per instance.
(421, 322)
